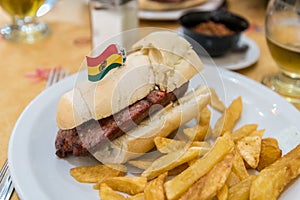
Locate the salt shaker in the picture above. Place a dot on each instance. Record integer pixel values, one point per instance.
(112, 17)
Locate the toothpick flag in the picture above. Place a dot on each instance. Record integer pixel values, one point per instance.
(113, 56)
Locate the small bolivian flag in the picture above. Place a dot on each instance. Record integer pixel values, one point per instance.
(113, 56)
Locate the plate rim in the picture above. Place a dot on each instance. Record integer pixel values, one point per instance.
(253, 47)
(175, 14)
(69, 81)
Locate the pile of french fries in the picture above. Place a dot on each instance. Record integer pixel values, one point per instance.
(192, 169)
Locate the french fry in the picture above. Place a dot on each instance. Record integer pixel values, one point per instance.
(141, 164)
(191, 162)
(155, 188)
(192, 192)
(220, 174)
(107, 193)
(208, 186)
(222, 194)
(238, 166)
(139, 196)
(241, 190)
(229, 118)
(216, 103)
(259, 133)
(129, 184)
(204, 118)
(270, 182)
(233, 179)
(243, 131)
(178, 185)
(249, 147)
(167, 145)
(270, 152)
(201, 144)
(177, 170)
(98, 173)
(196, 133)
(170, 161)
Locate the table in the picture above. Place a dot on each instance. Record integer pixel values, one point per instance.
(254, 12)
(67, 45)
(23, 66)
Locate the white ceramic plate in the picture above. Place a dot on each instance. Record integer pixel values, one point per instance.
(175, 14)
(38, 174)
(239, 60)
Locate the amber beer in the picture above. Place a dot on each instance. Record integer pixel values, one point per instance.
(284, 45)
(21, 8)
(286, 56)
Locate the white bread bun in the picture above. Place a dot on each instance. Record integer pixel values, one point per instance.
(161, 59)
(160, 6)
(141, 139)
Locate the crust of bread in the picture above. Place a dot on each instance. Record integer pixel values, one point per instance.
(161, 59)
(161, 6)
(141, 140)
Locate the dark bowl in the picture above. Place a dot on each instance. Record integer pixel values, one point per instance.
(215, 45)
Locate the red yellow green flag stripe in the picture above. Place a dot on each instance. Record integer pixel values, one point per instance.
(110, 58)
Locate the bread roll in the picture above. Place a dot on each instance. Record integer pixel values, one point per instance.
(161, 59)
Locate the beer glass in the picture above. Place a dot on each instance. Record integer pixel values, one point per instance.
(282, 26)
(25, 27)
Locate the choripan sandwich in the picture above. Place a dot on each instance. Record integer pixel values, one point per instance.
(116, 118)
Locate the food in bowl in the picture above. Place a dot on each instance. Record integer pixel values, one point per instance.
(212, 28)
(215, 44)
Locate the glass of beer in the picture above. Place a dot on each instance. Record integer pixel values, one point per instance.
(25, 27)
(282, 26)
